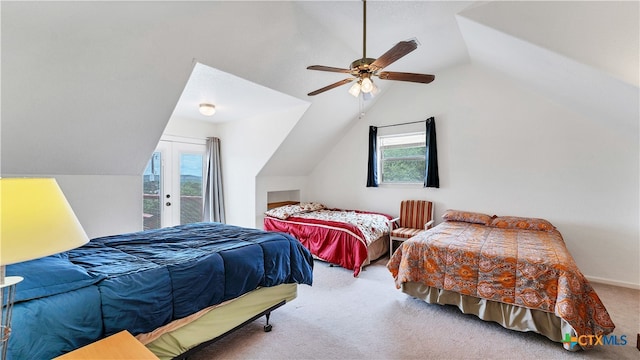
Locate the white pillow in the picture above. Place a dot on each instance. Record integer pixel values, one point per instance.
(283, 212)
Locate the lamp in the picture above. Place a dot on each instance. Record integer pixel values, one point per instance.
(35, 221)
(207, 109)
(355, 89)
(365, 86)
(369, 95)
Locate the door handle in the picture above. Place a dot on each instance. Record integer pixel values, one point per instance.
(168, 203)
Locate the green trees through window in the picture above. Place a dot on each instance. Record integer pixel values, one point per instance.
(402, 158)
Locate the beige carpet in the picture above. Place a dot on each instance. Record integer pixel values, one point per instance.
(342, 317)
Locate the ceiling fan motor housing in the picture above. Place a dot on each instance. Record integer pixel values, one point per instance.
(361, 66)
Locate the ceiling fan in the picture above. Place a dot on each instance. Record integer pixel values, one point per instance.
(362, 70)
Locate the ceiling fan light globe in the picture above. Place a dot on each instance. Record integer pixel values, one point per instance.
(355, 89)
(367, 85)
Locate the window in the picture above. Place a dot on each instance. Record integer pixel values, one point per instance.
(402, 158)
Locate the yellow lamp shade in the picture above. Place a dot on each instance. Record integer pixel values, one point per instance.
(35, 220)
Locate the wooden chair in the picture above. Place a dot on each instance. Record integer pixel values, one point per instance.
(415, 216)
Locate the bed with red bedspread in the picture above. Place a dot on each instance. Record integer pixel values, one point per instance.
(518, 269)
(348, 238)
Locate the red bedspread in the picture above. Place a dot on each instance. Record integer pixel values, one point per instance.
(342, 242)
(528, 268)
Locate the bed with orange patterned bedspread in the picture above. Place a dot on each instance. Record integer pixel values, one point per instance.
(522, 263)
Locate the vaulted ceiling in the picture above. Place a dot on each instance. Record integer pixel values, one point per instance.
(88, 87)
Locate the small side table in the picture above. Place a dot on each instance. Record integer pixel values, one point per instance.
(119, 346)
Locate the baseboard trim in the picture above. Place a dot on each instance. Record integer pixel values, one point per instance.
(625, 284)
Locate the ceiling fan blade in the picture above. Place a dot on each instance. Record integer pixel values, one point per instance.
(329, 87)
(328, 68)
(403, 76)
(399, 50)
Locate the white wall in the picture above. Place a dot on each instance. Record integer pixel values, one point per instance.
(190, 128)
(245, 147)
(108, 205)
(508, 151)
(104, 204)
(112, 204)
(266, 184)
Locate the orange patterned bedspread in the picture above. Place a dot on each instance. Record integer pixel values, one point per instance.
(528, 268)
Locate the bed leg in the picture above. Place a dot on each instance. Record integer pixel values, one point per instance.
(267, 326)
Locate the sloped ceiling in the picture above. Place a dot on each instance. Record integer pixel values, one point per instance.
(234, 98)
(600, 34)
(88, 87)
(432, 23)
(585, 55)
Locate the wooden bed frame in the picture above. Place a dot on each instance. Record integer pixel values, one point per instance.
(273, 205)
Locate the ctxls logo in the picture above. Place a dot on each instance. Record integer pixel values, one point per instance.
(593, 340)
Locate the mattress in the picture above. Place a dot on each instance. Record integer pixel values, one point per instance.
(341, 237)
(144, 280)
(40, 333)
(532, 269)
(56, 295)
(156, 276)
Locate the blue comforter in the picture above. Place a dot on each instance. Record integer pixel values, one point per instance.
(144, 280)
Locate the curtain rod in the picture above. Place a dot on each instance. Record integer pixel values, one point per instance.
(407, 123)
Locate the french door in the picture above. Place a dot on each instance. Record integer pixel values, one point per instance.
(173, 185)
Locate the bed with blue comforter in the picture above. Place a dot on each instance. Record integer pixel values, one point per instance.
(141, 281)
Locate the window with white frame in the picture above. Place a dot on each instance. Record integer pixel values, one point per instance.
(402, 158)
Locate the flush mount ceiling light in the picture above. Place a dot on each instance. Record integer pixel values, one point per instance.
(207, 109)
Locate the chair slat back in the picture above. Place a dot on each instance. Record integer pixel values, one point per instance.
(415, 213)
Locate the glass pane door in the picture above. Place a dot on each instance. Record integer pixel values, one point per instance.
(191, 188)
(173, 185)
(152, 192)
